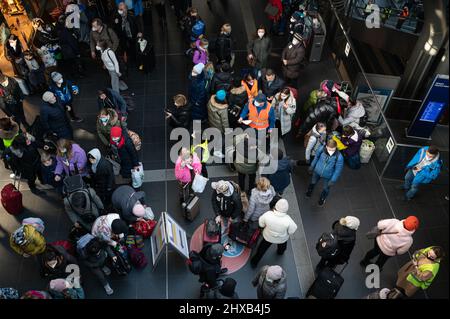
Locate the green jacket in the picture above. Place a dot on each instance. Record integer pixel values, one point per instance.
(104, 131)
(218, 114)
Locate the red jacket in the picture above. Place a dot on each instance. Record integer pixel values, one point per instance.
(276, 3)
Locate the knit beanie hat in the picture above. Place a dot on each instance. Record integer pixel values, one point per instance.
(411, 223)
(116, 132)
(220, 186)
(282, 206)
(47, 96)
(260, 98)
(228, 287)
(384, 293)
(118, 226)
(58, 284)
(350, 222)
(138, 210)
(198, 68)
(56, 76)
(274, 273)
(221, 95)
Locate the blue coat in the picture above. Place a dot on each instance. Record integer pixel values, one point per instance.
(63, 93)
(54, 120)
(197, 96)
(329, 167)
(429, 172)
(282, 177)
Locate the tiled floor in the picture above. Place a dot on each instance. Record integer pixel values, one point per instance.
(359, 193)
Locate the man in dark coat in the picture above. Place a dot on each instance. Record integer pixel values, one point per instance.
(70, 50)
(226, 200)
(224, 45)
(282, 177)
(211, 256)
(223, 79)
(54, 118)
(292, 58)
(126, 28)
(12, 98)
(130, 203)
(270, 83)
(102, 176)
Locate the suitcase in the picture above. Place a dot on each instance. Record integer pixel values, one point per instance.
(12, 198)
(244, 233)
(211, 231)
(23, 85)
(327, 284)
(191, 204)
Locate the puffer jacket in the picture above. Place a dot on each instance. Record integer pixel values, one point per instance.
(352, 115)
(324, 111)
(326, 166)
(218, 114)
(236, 100)
(200, 55)
(181, 116)
(183, 174)
(221, 81)
(35, 244)
(269, 290)
(78, 158)
(284, 115)
(353, 145)
(124, 198)
(260, 48)
(394, 244)
(346, 240)
(104, 131)
(428, 173)
(54, 120)
(259, 203)
(315, 141)
(227, 206)
(277, 226)
(282, 177)
(94, 206)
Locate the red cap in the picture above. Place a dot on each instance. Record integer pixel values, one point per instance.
(116, 131)
(411, 223)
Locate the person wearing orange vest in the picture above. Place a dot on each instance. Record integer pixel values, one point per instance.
(404, 14)
(251, 85)
(260, 112)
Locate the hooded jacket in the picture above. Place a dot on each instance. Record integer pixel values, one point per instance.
(104, 131)
(346, 240)
(200, 54)
(259, 203)
(102, 180)
(183, 174)
(428, 173)
(221, 81)
(284, 115)
(269, 290)
(397, 243)
(352, 115)
(227, 205)
(324, 111)
(282, 177)
(78, 158)
(326, 166)
(93, 207)
(124, 198)
(238, 96)
(353, 144)
(278, 226)
(218, 114)
(316, 140)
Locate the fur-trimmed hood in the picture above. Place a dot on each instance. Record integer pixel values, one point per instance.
(7, 135)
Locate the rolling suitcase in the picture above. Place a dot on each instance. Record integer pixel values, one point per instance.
(327, 284)
(244, 233)
(191, 204)
(211, 231)
(12, 198)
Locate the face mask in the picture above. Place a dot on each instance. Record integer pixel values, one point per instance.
(116, 139)
(12, 42)
(120, 12)
(5, 82)
(284, 97)
(121, 236)
(60, 81)
(250, 82)
(261, 34)
(331, 151)
(257, 104)
(63, 150)
(98, 48)
(104, 120)
(295, 41)
(206, 46)
(52, 264)
(95, 29)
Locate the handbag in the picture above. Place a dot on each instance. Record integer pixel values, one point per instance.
(115, 165)
(199, 183)
(375, 232)
(271, 10)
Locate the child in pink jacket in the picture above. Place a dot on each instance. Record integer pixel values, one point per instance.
(186, 166)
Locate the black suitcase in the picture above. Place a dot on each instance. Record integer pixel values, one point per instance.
(327, 284)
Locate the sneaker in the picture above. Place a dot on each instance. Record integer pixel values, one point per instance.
(109, 291)
(106, 271)
(76, 119)
(321, 202)
(218, 154)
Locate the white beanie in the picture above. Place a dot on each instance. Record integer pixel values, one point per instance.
(282, 206)
(351, 222)
(56, 76)
(198, 68)
(47, 96)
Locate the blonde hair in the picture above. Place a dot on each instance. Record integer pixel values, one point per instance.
(263, 184)
(67, 144)
(180, 100)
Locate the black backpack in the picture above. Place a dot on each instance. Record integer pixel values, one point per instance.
(195, 263)
(121, 267)
(327, 246)
(212, 228)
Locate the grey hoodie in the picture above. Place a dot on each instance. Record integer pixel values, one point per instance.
(352, 115)
(259, 203)
(316, 139)
(269, 290)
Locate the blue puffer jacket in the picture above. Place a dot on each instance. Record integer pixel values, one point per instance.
(429, 172)
(64, 93)
(329, 167)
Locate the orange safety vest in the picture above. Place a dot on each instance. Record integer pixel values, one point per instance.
(259, 121)
(254, 91)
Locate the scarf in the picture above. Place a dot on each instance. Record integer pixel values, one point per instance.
(97, 155)
(126, 26)
(142, 44)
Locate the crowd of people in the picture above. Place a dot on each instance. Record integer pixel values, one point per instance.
(110, 222)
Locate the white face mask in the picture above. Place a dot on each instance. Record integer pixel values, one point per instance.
(292, 19)
(261, 34)
(429, 158)
(331, 151)
(95, 29)
(63, 150)
(52, 264)
(295, 41)
(257, 104)
(283, 97)
(98, 48)
(121, 236)
(60, 81)
(13, 42)
(120, 12)
(6, 82)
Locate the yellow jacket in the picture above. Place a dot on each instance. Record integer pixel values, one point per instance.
(35, 242)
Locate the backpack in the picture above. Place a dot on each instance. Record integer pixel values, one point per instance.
(87, 216)
(72, 184)
(195, 262)
(198, 28)
(121, 267)
(137, 258)
(212, 228)
(327, 246)
(136, 139)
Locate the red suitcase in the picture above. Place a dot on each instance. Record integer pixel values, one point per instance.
(211, 231)
(12, 198)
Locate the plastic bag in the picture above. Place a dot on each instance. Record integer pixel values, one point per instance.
(137, 176)
(149, 215)
(199, 183)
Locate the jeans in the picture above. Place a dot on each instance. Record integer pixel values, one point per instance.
(116, 83)
(326, 187)
(262, 248)
(410, 188)
(376, 251)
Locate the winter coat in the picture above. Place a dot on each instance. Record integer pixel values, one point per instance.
(69, 44)
(197, 96)
(352, 115)
(11, 94)
(28, 166)
(103, 180)
(346, 240)
(282, 177)
(48, 173)
(128, 157)
(294, 54)
(44, 37)
(324, 111)
(260, 49)
(35, 242)
(242, 164)
(394, 244)
(200, 54)
(102, 228)
(218, 114)
(64, 93)
(210, 268)
(269, 290)
(78, 158)
(107, 34)
(181, 116)
(352, 145)
(315, 141)
(326, 166)
(124, 40)
(272, 88)
(238, 96)
(124, 198)
(7, 137)
(227, 206)
(114, 101)
(97, 261)
(54, 120)
(277, 226)
(183, 174)
(68, 293)
(104, 131)
(93, 208)
(259, 203)
(428, 173)
(221, 81)
(60, 270)
(137, 9)
(284, 115)
(223, 48)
